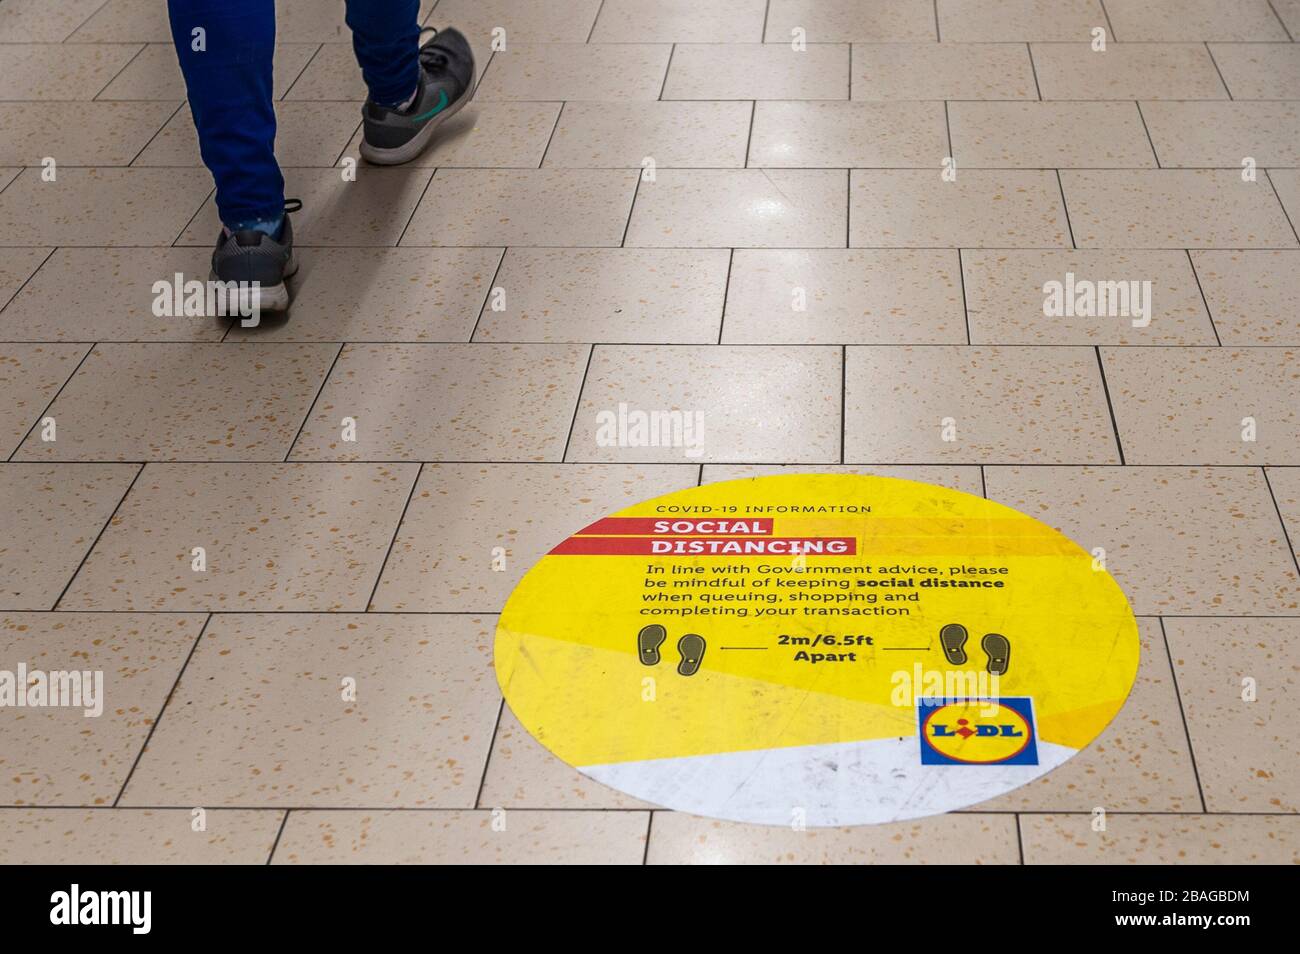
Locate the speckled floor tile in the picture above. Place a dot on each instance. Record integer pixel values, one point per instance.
(1206, 405)
(58, 755)
(839, 134)
(1006, 300)
(17, 266)
(51, 518)
(333, 75)
(79, 134)
(137, 837)
(410, 727)
(533, 207)
(45, 71)
(943, 839)
(1126, 71)
(1259, 70)
(965, 479)
(1252, 294)
(1286, 182)
(1046, 136)
(739, 404)
(625, 135)
(561, 71)
(1289, 12)
(537, 21)
(840, 21)
(1285, 484)
(742, 208)
(680, 21)
(1246, 751)
(1173, 208)
(1224, 134)
(1176, 539)
(445, 557)
(446, 402)
(1160, 840)
(758, 71)
(482, 837)
(184, 401)
(302, 21)
(30, 375)
(41, 21)
(1168, 21)
(307, 134)
(839, 296)
(488, 136)
(912, 71)
(653, 296)
(155, 73)
(1019, 405)
(100, 207)
(966, 21)
(915, 208)
(306, 537)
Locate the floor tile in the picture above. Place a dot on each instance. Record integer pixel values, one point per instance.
(100, 207)
(45, 71)
(184, 401)
(844, 296)
(276, 537)
(1246, 752)
(536, 838)
(17, 266)
(497, 402)
(742, 208)
(1007, 300)
(537, 21)
(839, 134)
(137, 837)
(1285, 485)
(965, 479)
(563, 71)
(1173, 208)
(624, 135)
(535, 207)
(79, 134)
(1126, 71)
(51, 518)
(155, 73)
(1191, 405)
(1020, 405)
(740, 404)
(1224, 134)
(1160, 840)
(1168, 21)
(444, 558)
(1289, 12)
(1176, 539)
(680, 21)
(677, 839)
(1259, 70)
(915, 208)
(1252, 294)
(653, 296)
(1046, 136)
(332, 75)
(307, 134)
(410, 728)
(966, 21)
(489, 136)
(758, 71)
(843, 21)
(42, 21)
(30, 376)
(1286, 183)
(912, 71)
(59, 755)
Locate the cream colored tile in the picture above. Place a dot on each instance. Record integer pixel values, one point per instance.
(1126, 71)
(42, 21)
(487, 135)
(965, 21)
(912, 71)
(1286, 182)
(838, 296)
(1246, 753)
(184, 401)
(51, 519)
(595, 135)
(307, 134)
(59, 755)
(1176, 539)
(742, 208)
(532, 207)
(1022, 405)
(276, 537)
(537, 21)
(1173, 208)
(563, 71)
(965, 479)
(302, 21)
(742, 404)
(839, 134)
(1046, 136)
(1160, 840)
(7, 176)
(79, 134)
(1289, 12)
(46, 71)
(1188, 20)
(156, 74)
(443, 557)
(1006, 300)
(30, 376)
(758, 71)
(108, 836)
(1252, 294)
(840, 21)
(1285, 485)
(332, 75)
(677, 839)
(915, 208)
(1259, 70)
(659, 296)
(1224, 134)
(446, 402)
(17, 266)
(536, 838)
(680, 21)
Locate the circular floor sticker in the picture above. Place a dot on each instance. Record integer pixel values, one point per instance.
(815, 649)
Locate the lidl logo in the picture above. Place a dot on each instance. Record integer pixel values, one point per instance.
(977, 732)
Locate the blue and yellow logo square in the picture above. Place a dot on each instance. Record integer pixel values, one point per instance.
(977, 731)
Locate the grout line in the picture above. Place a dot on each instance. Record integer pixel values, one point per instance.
(1210, 54)
(636, 191)
(90, 16)
(487, 758)
(984, 487)
(1285, 213)
(965, 308)
(577, 403)
(649, 828)
(726, 291)
(487, 296)
(938, 37)
(1286, 534)
(17, 291)
(1204, 301)
(40, 417)
(790, 468)
(1285, 29)
(594, 20)
(580, 810)
(415, 208)
(767, 10)
(1110, 406)
(844, 392)
(749, 139)
(278, 835)
(157, 133)
(1065, 207)
(1191, 750)
(667, 69)
(551, 138)
(311, 407)
(1034, 69)
(94, 543)
(210, 197)
(1109, 28)
(1020, 839)
(299, 75)
(947, 125)
(1147, 130)
(397, 529)
(134, 57)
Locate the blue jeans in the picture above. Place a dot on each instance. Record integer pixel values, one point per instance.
(228, 79)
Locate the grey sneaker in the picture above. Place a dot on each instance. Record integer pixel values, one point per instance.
(394, 136)
(257, 265)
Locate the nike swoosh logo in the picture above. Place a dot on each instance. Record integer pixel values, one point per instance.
(442, 104)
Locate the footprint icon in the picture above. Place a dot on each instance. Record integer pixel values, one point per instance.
(691, 648)
(648, 642)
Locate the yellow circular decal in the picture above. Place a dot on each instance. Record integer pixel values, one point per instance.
(816, 649)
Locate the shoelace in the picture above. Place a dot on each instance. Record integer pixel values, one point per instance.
(430, 56)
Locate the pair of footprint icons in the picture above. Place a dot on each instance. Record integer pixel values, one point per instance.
(690, 647)
(996, 646)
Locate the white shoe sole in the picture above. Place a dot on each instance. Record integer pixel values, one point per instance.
(263, 298)
(419, 142)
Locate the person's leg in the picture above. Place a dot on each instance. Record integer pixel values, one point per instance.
(386, 41)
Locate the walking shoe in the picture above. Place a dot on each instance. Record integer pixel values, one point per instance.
(251, 256)
(392, 135)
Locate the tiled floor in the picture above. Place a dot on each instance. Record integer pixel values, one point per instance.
(742, 206)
